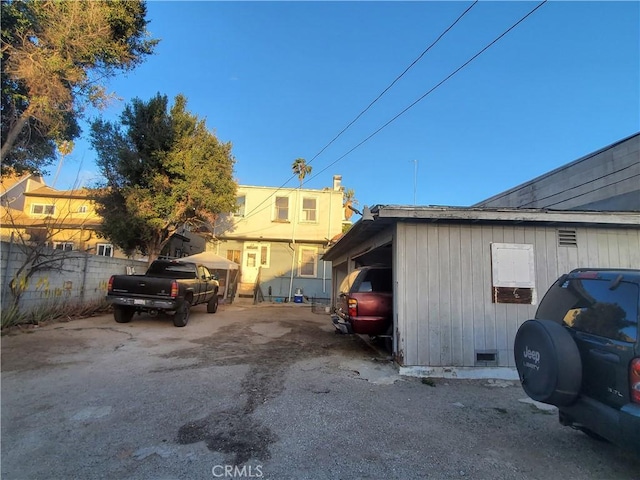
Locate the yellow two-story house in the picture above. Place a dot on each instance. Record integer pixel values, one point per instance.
(278, 236)
(63, 219)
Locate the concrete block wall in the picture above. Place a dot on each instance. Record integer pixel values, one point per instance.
(78, 278)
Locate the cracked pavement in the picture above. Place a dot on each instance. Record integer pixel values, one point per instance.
(265, 391)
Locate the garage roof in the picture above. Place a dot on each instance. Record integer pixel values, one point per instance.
(385, 216)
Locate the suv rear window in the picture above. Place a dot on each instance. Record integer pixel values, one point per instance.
(368, 280)
(376, 280)
(594, 306)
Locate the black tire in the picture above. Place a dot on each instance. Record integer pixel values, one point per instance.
(181, 318)
(548, 362)
(212, 305)
(123, 314)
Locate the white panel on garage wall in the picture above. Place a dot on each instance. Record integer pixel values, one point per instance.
(513, 265)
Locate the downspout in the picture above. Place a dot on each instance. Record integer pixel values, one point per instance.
(324, 264)
(293, 241)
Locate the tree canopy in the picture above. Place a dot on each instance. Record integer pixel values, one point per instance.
(163, 169)
(56, 55)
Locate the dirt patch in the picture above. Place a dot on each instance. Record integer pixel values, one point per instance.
(269, 348)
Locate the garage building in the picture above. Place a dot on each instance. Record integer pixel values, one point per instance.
(466, 278)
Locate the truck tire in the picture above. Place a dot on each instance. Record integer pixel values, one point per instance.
(123, 314)
(548, 362)
(212, 305)
(181, 318)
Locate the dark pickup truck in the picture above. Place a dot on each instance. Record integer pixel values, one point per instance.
(168, 286)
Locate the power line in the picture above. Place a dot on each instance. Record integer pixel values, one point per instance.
(252, 212)
(433, 88)
(396, 79)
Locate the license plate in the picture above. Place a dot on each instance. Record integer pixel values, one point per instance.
(137, 301)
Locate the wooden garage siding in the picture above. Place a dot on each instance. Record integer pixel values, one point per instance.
(443, 291)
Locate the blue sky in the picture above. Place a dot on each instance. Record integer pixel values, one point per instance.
(281, 79)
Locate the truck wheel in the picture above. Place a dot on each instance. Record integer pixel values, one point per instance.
(548, 362)
(212, 306)
(123, 314)
(181, 318)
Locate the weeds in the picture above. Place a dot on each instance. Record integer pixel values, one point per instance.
(55, 310)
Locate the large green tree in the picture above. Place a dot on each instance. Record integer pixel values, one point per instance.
(163, 169)
(56, 56)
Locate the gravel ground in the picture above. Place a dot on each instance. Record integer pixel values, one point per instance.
(264, 392)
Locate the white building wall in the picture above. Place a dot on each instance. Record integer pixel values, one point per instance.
(444, 308)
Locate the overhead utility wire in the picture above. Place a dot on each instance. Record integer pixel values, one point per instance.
(432, 89)
(396, 79)
(253, 212)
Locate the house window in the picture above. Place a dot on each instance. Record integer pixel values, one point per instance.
(282, 209)
(82, 209)
(66, 246)
(39, 209)
(309, 210)
(308, 262)
(105, 250)
(234, 255)
(240, 206)
(513, 273)
(258, 255)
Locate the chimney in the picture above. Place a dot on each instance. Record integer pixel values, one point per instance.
(337, 180)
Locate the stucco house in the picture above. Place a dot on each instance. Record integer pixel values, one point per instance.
(278, 236)
(65, 219)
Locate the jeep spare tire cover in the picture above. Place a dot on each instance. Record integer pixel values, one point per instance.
(548, 362)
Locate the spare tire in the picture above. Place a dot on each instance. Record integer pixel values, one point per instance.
(548, 362)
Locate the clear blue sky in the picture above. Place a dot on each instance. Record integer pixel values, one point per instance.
(281, 79)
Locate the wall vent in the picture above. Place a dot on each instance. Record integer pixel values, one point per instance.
(567, 238)
(486, 358)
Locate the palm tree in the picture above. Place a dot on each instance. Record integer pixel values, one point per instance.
(349, 200)
(301, 169)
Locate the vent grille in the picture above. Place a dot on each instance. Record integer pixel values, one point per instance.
(567, 238)
(486, 358)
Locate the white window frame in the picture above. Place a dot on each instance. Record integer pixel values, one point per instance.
(44, 206)
(240, 205)
(104, 247)
(301, 253)
(64, 246)
(277, 209)
(304, 211)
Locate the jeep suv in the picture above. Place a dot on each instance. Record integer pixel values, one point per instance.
(365, 302)
(582, 353)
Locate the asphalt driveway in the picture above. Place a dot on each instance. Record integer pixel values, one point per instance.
(263, 392)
